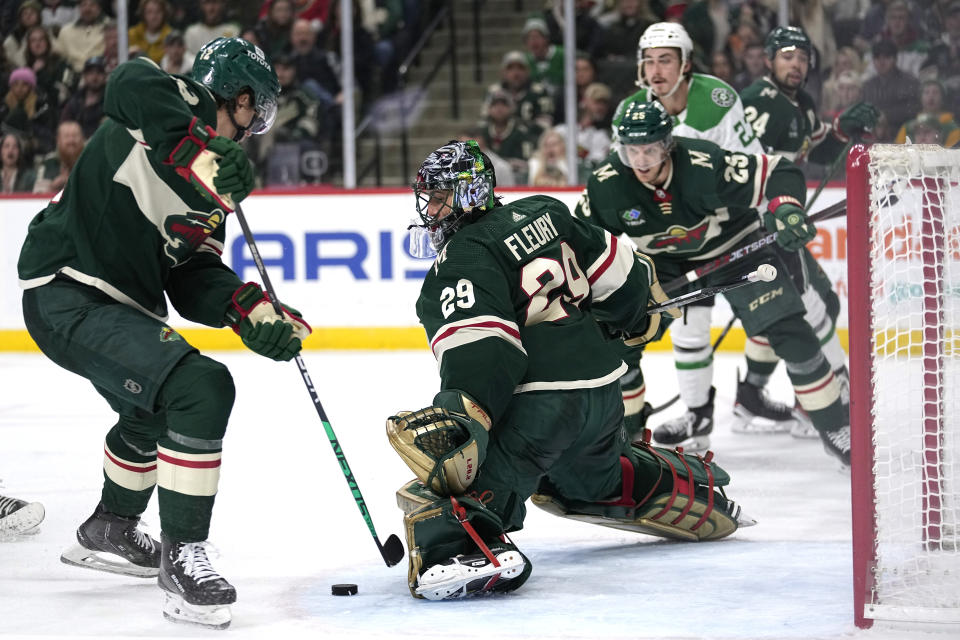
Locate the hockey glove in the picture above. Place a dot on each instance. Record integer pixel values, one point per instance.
(785, 217)
(855, 121)
(263, 331)
(657, 296)
(443, 444)
(215, 165)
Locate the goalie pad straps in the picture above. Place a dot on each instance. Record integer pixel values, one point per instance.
(680, 485)
(461, 515)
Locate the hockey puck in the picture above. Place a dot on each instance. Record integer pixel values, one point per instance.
(344, 589)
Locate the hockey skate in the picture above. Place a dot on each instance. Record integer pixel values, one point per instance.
(755, 412)
(466, 575)
(691, 430)
(194, 593)
(19, 516)
(837, 444)
(112, 543)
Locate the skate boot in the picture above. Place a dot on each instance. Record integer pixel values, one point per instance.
(837, 444)
(112, 543)
(194, 593)
(691, 430)
(19, 516)
(755, 412)
(466, 575)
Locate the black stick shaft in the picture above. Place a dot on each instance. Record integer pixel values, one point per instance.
(314, 396)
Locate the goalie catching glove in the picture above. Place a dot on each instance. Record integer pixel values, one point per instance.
(252, 316)
(657, 296)
(443, 444)
(215, 165)
(786, 218)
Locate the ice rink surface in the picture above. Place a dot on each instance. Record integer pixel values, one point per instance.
(286, 526)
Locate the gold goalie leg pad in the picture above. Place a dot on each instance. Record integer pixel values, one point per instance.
(648, 518)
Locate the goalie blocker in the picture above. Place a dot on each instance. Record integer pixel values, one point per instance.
(458, 547)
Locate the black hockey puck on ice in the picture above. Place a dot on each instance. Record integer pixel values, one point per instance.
(344, 589)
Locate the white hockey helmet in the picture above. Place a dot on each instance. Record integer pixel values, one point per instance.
(664, 34)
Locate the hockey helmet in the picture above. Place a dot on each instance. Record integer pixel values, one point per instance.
(644, 123)
(228, 66)
(664, 34)
(787, 38)
(463, 176)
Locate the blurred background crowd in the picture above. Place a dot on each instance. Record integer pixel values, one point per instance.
(901, 55)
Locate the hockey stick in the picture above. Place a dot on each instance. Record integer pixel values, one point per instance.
(831, 171)
(739, 253)
(764, 273)
(392, 551)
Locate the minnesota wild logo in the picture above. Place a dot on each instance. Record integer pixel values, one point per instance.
(168, 335)
(680, 239)
(185, 233)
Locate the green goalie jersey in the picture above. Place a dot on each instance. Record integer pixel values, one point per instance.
(713, 113)
(790, 128)
(514, 301)
(126, 223)
(705, 208)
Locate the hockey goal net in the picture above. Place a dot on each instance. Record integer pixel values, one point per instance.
(904, 326)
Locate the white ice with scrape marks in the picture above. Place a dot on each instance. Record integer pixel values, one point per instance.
(287, 527)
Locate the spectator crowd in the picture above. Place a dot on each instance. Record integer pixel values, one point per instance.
(903, 56)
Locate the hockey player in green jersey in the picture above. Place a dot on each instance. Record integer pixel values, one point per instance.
(683, 201)
(521, 308)
(705, 108)
(784, 118)
(141, 219)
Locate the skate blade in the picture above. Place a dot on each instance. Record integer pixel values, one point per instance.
(449, 581)
(804, 431)
(210, 616)
(79, 556)
(23, 521)
(752, 425)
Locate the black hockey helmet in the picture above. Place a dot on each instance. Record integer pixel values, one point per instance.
(787, 38)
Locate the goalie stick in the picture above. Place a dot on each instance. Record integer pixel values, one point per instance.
(763, 273)
(391, 551)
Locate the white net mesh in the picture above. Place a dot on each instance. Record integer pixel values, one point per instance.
(915, 283)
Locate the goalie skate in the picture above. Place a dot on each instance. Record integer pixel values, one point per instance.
(19, 517)
(467, 575)
(113, 543)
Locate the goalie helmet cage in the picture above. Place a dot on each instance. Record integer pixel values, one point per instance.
(904, 325)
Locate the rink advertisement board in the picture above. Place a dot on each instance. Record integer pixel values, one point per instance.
(342, 259)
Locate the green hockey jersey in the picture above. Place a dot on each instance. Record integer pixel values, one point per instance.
(713, 113)
(705, 208)
(126, 222)
(786, 127)
(515, 300)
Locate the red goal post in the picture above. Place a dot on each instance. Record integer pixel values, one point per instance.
(904, 325)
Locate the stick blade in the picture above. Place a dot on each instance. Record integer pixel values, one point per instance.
(392, 550)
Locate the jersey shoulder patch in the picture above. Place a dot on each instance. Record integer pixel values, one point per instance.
(708, 102)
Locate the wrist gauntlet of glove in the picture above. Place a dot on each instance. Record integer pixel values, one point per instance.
(656, 296)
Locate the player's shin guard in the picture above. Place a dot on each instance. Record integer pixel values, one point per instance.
(636, 409)
(129, 469)
(693, 356)
(665, 493)
(197, 398)
(456, 546)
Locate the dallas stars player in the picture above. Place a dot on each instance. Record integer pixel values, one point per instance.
(682, 201)
(706, 108)
(784, 118)
(518, 308)
(141, 216)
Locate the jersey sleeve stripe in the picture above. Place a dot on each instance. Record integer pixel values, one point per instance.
(611, 269)
(760, 179)
(457, 334)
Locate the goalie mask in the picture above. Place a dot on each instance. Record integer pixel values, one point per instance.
(664, 35)
(645, 135)
(454, 186)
